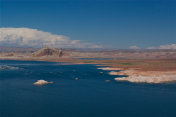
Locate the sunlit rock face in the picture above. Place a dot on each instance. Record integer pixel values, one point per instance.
(48, 51)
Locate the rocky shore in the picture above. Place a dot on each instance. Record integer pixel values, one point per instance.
(157, 66)
(139, 76)
(109, 68)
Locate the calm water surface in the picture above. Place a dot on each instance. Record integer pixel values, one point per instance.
(90, 96)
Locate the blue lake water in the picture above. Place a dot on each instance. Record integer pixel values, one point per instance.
(90, 96)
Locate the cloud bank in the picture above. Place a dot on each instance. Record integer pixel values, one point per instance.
(171, 46)
(26, 37)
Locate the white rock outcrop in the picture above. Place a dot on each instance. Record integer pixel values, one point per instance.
(109, 68)
(147, 76)
(41, 82)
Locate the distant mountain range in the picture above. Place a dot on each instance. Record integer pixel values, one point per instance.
(17, 49)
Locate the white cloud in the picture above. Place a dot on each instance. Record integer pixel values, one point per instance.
(134, 47)
(171, 46)
(26, 37)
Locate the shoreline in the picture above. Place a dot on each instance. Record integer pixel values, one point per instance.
(138, 76)
(138, 71)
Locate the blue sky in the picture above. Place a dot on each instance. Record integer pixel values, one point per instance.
(111, 23)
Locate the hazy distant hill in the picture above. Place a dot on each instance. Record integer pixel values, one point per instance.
(17, 49)
(89, 53)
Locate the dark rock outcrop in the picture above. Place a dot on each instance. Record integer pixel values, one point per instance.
(48, 51)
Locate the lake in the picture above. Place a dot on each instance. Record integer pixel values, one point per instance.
(90, 96)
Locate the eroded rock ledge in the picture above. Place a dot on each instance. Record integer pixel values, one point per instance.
(147, 76)
(140, 76)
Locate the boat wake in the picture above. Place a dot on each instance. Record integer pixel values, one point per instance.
(6, 67)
